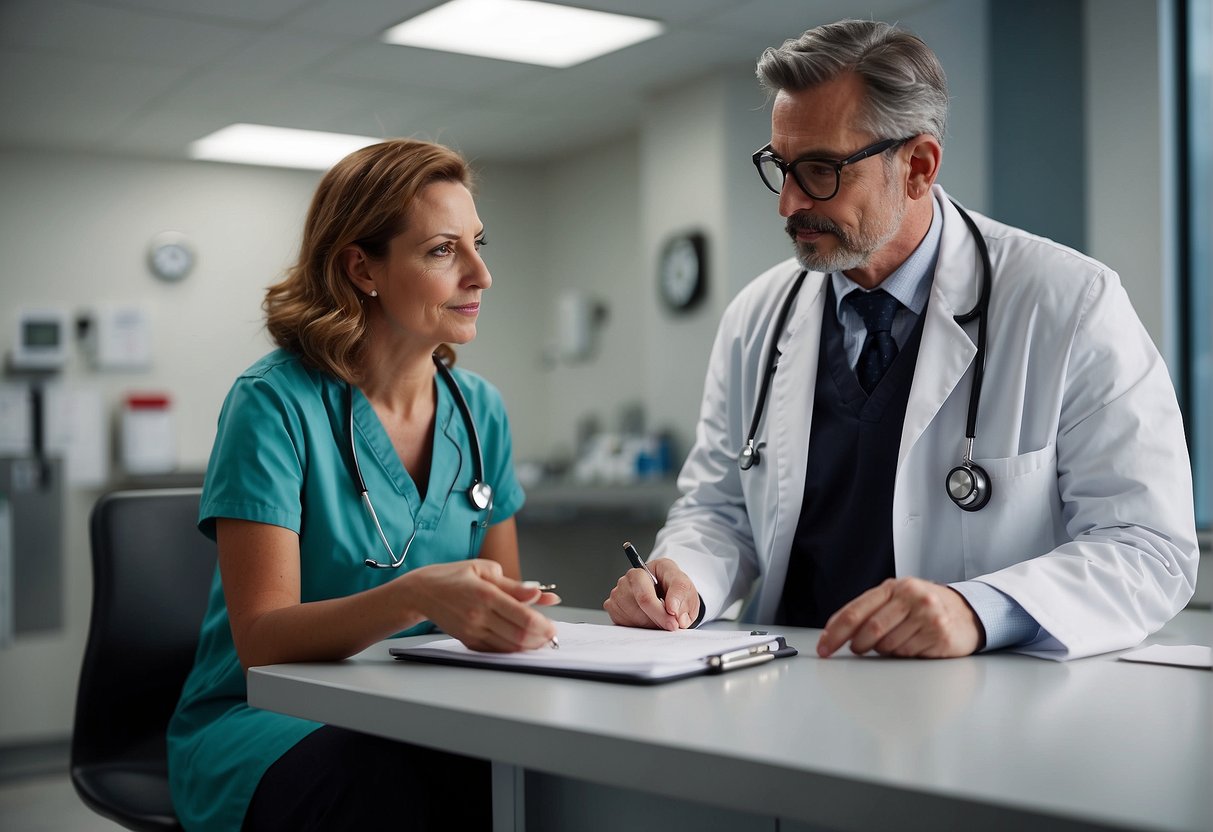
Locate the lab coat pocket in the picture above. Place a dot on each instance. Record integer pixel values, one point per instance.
(1022, 519)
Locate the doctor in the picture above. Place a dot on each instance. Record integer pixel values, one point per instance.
(852, 468)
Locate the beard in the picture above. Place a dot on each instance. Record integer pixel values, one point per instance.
(853, 250)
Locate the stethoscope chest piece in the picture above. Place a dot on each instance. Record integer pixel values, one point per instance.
(968, 484)
(969, 487)
(748, 456)
(481, 495)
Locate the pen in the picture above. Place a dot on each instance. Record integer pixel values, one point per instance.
(555, 642)
(637, 563)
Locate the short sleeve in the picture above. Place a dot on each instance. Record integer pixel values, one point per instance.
(256, 466)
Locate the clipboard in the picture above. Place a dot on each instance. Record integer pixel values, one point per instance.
(610, 653)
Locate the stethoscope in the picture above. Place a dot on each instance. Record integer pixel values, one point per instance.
(968, 485)
(480, 494)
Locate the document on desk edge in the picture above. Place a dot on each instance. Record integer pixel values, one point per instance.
(608, 651)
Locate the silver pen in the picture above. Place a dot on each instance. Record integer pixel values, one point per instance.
(555, 642)
(637, 563)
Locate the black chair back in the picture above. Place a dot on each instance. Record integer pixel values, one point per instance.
(152, 572)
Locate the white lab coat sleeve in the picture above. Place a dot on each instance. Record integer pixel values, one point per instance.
(1125, 485)
(708, 532)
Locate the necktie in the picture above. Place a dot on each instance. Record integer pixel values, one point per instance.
(879, 349)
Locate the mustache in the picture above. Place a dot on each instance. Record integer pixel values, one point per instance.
(802, 221)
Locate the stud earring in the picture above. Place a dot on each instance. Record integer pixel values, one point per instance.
(374, 293)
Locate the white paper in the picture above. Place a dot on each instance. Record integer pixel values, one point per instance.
(16, 433)
(610, 649)
(1186, 655)
(75, 428)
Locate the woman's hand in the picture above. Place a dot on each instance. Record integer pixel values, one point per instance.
(474, 602)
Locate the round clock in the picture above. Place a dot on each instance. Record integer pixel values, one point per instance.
(682, 272)
(170, 256)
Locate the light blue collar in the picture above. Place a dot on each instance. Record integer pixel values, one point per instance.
(911, 282)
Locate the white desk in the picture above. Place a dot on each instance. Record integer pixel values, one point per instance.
(995, 742)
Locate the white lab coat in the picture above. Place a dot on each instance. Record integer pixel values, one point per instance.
(1090, 526)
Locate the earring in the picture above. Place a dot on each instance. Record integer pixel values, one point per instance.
(374, 293)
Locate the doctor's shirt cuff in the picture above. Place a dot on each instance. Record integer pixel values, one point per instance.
(1006, 623)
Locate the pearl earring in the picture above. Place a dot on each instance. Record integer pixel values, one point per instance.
(374, 293)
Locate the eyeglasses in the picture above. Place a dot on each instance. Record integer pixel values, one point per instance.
(818, 178)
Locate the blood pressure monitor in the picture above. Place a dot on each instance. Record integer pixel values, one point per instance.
(42, 339)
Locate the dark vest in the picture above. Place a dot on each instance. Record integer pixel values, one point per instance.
(844, 541)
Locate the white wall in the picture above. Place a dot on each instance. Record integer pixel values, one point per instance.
(75, 230)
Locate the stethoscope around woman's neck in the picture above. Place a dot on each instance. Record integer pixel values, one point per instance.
(480, 494)
(968, 485)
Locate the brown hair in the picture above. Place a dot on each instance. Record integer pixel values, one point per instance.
(315, 311)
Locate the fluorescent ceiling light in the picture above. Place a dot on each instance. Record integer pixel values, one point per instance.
(522, 30)
(284, 147)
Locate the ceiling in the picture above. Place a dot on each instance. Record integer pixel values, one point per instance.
(146, 77)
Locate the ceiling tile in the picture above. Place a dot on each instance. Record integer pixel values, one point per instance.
(670, 11)
(72, 101)
(367, 18)
(278, 53)
(149, 76)
(258, 11)
(83, 30)
(780, 20)
(410, 67)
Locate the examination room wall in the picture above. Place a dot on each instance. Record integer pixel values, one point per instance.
(74, 228)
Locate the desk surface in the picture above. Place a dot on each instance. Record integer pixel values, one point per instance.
(990, 742)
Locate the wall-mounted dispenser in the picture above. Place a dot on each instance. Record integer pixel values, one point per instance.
(578, 319)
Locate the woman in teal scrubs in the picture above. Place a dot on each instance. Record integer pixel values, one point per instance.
(389, 275)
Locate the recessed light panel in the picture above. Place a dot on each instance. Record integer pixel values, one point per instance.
(259, 144)
(525, 31)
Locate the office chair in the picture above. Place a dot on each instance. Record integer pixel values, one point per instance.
(152, 573)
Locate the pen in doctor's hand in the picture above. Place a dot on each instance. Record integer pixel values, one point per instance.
(637, 563)
(555, 642)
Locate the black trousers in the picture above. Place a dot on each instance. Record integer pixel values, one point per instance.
(336, 779)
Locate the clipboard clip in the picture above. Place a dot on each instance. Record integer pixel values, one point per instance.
(755, 654)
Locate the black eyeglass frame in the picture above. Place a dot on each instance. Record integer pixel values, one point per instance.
(837, 164)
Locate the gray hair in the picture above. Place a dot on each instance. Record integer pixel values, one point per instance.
(907, 90)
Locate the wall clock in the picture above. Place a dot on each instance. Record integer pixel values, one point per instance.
(170, 256)
(682, 271)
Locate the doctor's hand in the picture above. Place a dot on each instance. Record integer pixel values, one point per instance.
(905, 617)
(634, 602)
(474, 602)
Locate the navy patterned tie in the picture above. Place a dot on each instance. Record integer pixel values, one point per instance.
(879, 349)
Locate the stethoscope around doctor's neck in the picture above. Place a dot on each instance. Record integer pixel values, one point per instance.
(479, 494)
(968, 485)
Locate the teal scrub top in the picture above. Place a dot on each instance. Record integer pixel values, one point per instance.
(281, 456)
